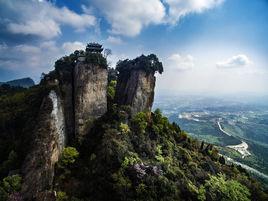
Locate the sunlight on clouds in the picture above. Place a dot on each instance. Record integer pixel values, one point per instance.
(70, 47)
(46, 29)
(237, 61)
(129, 17)
(180, 8)
(242, 76)
(43, 19)
(179, 62)
(114, 40)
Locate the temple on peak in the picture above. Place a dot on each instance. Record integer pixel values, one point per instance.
(94, 48)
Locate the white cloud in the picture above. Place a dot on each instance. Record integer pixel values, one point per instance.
(179, 8)
(129, 17)
(66, 16)
(27, 49)
(70, 47)
(235, 62)
(42, 18)
(46, 29)
(180, 62)
(35, 59)
(114, 40)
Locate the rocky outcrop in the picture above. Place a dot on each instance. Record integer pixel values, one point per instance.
(38, 170)
(136, 82)
(65, 77)
(90, 95)
(136, 89)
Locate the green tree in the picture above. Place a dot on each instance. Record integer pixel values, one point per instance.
(140, 122)
(124, 128)
(111, 89)
(10, 185)
(219, 188)
(68, 156)
(61, 196)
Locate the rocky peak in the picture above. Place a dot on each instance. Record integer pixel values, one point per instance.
(49, 141)
(90, 95)
(136, 82)
(83, 84)
(77, 97)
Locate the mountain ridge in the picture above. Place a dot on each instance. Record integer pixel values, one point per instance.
(22, 82)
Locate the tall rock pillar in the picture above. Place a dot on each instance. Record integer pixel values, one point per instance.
(38, 168)
(90, 95)
(136, 82)
(136, 89)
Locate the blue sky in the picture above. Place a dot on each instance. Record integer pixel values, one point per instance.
(205, 45)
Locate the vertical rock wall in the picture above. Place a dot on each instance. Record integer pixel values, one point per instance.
(49, 141)
(136, 89)
(90, 95)
(65, 77)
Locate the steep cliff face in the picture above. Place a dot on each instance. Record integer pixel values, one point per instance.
(90, 95)
(136, 82)
(65, 77)
(136, 89)
(38, 170)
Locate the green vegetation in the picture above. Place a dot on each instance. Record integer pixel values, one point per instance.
(150, 64)
(68, 157)
(97, 59)
(68, 62)
(61, 196)
(9, 186)
(155, 160)
(111, 90)
(18, 115)
(124, 128)
(219, 188)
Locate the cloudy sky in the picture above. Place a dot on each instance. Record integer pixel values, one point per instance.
(206, 46)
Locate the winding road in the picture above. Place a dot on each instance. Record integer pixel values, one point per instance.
(241, 148)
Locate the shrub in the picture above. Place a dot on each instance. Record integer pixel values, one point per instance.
(68, 156)
(159, 156)
(11, 184)
(219, 188)
(140, 122)
(61, 196)
(124, 128)
(131, 160)
(96, 59)
(111, 89)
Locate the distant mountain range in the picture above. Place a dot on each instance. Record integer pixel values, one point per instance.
(23, 82)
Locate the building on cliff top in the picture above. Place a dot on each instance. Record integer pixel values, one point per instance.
(94, 48)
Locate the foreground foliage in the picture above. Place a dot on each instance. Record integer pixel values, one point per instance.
(148, 158)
